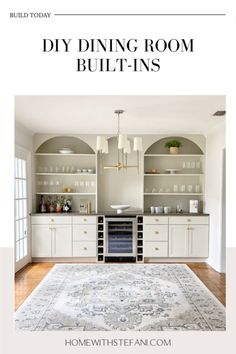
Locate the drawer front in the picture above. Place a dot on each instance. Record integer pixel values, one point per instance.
(155, 232)
(84, 249)
(85, 220)
(183, 220)
(154, 220)
(155, 249)
(84, 232)
(51, 219)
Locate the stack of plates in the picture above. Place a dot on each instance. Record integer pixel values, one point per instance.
(66, 151)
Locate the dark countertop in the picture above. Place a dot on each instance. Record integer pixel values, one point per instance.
(112, 213)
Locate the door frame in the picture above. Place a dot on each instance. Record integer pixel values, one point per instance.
(25, 154)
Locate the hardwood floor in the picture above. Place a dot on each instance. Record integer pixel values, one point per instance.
(29, 277)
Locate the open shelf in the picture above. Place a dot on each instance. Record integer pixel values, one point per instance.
(63, 193)
(189, 164)
(174, 155)
(173, 193)
(63, 174)
(172, 175)
(58, 154)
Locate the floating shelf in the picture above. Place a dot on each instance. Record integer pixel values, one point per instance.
(63, 174)
(173, 193)
(177, 155)
(172, 175)
(57, 154)
(62, 193)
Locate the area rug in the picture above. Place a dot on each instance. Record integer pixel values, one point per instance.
(121, 297)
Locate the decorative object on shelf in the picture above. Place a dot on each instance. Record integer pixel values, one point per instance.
(173, 146)
(85, 206)
(167, 209)
(175, 188)
(123, 147)
(67, 205)
(179, 209)
(171, 171)
(152, 209)
(153, 171)
(66, 150)
(182, 188)
(120, 208)
(159, 209)
(67, 190)
(193, 206)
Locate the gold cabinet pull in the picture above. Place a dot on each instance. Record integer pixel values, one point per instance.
(156, 249)
(157, 232)
(85, 248)
(85, 219)
(156, 219)
(52, 220)
(188, 219)
(85, 232)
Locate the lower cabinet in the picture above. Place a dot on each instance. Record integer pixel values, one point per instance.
(51, 240)
(188, 241)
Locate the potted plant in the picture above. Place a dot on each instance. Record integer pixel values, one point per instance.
(173, 146)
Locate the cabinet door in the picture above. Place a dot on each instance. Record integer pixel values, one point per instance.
(62, 241)
(198, 241)
(41, 241)
(178, 241)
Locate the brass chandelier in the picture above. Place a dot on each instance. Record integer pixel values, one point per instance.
(123, 148)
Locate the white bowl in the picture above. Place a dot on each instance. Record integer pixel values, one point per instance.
(120, 208)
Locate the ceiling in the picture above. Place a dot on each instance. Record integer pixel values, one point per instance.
(95, 114)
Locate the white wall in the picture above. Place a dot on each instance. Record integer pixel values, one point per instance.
(215, 144)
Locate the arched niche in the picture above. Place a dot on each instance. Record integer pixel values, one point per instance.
(53, 145)
(188, 146)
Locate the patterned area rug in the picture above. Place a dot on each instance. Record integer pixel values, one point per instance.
(123, 297)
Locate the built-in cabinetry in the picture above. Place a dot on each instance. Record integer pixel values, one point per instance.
(64, 236)
(66, 175)
(188, 236)
(51, 237)
(82, 236)
(155, 236)
(176, 236)
(171, 180)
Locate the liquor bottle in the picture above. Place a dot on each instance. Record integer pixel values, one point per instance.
(43, 208)
(58, 205)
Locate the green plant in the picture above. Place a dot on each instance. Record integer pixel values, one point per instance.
(173, 143)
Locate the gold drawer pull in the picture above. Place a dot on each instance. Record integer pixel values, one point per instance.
(52, 220)
(157, 232)
(156, 219)
(85, 232)
(188, 219)
(85, 248)
(85, 219)
(156, 249)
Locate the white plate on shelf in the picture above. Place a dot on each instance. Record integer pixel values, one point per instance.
(66, 151)
(171, 171)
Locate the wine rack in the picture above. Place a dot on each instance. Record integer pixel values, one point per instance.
(100, 238)
(139, 257)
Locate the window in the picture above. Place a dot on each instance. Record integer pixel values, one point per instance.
(21, 212)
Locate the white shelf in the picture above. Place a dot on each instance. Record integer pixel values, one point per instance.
(172, 175)
(173, 193)
(63, 174)
(57, 154)
(62, 193)
(177, 155)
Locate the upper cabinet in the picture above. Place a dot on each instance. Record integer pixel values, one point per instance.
(173, 178)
